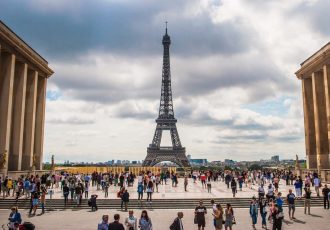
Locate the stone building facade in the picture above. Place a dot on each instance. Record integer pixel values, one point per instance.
(315, 77)
(23, 80)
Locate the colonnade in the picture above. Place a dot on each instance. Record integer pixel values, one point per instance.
(23, 80)
(316, 99)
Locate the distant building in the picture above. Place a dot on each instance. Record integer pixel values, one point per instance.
(275, 158)
(189, 157)
(198, 161)
(229, 162)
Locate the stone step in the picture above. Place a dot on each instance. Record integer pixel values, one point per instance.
(156, 204)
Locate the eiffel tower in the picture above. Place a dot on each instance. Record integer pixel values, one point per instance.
(166, 120)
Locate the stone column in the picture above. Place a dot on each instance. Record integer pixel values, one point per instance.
(307, 90)
(29, 123)
(7, 67)
(321, 130)
(16, 146)
(326, 73)
(40, 120)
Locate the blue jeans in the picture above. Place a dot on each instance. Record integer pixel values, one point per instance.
(254, 219)
(263, 216)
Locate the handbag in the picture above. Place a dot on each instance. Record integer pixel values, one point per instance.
(234, 220)
(195, 220)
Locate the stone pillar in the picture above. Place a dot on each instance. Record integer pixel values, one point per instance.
(7, 67)
(40, 120)
(321, 130)
(16, 146)
(308, 101)
(29, 123)
(326, 74)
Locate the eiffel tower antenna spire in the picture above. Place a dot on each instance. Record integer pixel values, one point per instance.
(166, 120)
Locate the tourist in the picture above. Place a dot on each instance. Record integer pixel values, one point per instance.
(200, 212)
(106, 189)
(325, 193)
(185, 183)
(140, 191)
(26, 188)
(65, 193)
(145, 222)
(203, 179)
(131, 221)
(218, 217)
(307, 203)
(263, 211)
(149, 191)
(317, 185)
(261, 191)
(229, 215)
(277, 216)
(298, 187)
(93, 202)
(233, 186)
(209, 186)
(104, 224)
(270, 193)
(116, 225)
(177, 223)
(157, 182)
(86, 189)
(254, 212)
(124, 199)
(290, 199)
(14, 218)
(35, 202)
(43, 198)
(279, 201)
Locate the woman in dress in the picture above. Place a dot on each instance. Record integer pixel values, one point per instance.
(145, 221)
(229, 213)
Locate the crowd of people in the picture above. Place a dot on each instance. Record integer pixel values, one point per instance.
(269, 201)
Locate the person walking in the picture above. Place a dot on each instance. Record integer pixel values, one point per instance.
(149, 191)
(200, 212)
(317, 185)
(307, 203)
(325, 193)
(218, 217)
(104, 224)
(86, 189)
(116, 225)
(177, 223)
(290, 199)
(254, 212)
(145, 221)
(43, 198)
(124, 200)
(263, 211)
(93, 202)
(233, 186)
(185, 183)
(131, 221)
(229, 214)
(65, 194)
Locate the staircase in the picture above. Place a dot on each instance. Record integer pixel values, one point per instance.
(156, 204)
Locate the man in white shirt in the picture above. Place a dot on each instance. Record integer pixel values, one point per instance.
(177, 223)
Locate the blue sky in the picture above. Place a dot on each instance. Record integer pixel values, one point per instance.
(232, 61)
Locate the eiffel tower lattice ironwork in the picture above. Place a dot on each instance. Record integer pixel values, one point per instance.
(166, 120)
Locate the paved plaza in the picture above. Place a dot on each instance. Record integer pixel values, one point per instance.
(194, 190)
(161, 219)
